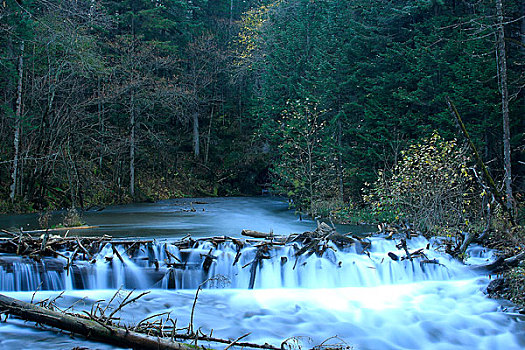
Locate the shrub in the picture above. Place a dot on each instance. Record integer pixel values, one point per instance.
(72, 218)
(305, 167)
(431, 187)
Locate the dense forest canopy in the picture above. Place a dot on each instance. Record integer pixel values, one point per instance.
(114, 101)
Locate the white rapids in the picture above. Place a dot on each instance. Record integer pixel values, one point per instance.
(357, 300)
(283, 269)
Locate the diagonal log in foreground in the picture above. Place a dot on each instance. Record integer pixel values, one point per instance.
(86, 327)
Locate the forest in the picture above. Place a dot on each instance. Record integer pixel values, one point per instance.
(338, 105)
(382, 140)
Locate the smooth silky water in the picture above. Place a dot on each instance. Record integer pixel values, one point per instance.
(366, 302)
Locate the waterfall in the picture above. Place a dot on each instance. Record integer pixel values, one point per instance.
(164, 265)
(365, 295)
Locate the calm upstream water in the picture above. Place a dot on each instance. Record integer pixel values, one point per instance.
(366, 301)
(178, 217)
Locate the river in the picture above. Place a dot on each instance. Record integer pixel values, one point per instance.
(344, 297)
(178, 217)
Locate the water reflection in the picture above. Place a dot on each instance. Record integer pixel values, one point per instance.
(178, 217)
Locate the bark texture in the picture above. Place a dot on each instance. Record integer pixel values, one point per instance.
(18, 124)
(86, 327)
(502, 70)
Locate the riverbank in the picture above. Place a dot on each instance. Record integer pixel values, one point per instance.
(506, 239)
(100, 189)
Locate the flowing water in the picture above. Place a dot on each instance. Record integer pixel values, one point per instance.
(176, 218)
(346, 296)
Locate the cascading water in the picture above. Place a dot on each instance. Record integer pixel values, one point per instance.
(149, 267)
(26, 275)
(365, 299)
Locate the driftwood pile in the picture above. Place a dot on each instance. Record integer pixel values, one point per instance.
(456, 249)
(418, 253)
(404, 232)
(85, 249)
(25, 244)
(48, 245)
(158, 331)
(325, 237)
(315, 242)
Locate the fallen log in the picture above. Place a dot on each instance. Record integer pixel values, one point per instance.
(308, 247)
(89, 328)
(56, 229)
(500, 263)
(257, 234)
(393, 256)
(208, 260)
(461, 248)
(340, 240)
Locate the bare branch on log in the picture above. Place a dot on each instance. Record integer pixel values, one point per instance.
(86, 327)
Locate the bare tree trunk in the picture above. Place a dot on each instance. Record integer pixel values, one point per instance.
(132, 148)
(502, 70)
(310, 151)
(132, 117)
(523, 50)
(68, 166)
(208, 137)
(231, 13)
(196, 137)
(523, 26)
(340, 160)
(100, 113)
(18, 123)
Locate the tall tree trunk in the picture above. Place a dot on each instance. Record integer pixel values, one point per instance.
(68, 164)
(132, 115)
(523, 51)
(196, 138)
(231, 13)
(523, 26)
(340, 160)
(18, 123)
(310, 177)
(502, 70)
(208, 137)
(100, 113)
(132, 148)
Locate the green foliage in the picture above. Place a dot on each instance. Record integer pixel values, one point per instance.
(18, 206)
(304, 171)
(90, 66)
(431, 186)
(516, 285)
(355, 215)
(72, 218)
(248, 42)
(378, 73)
(380, 70)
